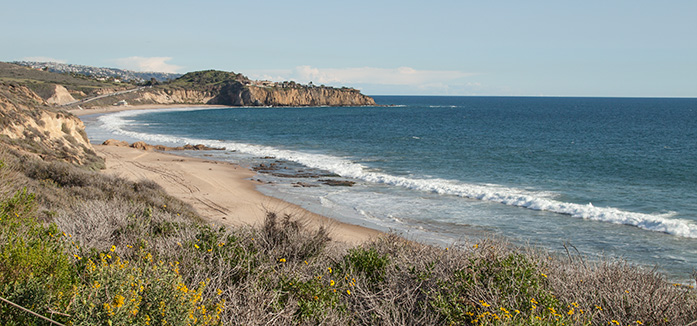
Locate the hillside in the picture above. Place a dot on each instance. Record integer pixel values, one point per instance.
(98, 72)
(200, 87)
(28, 125)
(62, 87)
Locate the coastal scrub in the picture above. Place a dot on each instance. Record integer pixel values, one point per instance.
(82, 249)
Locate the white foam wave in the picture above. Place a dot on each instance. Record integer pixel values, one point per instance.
(509, 196)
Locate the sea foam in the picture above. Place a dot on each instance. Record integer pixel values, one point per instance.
(346, 168)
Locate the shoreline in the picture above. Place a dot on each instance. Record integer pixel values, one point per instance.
(113, 109)
(220, 192)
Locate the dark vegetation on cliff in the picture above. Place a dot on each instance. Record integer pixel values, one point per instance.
(83, 248)
(207, 79)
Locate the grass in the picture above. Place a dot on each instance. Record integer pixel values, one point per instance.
(84, 249)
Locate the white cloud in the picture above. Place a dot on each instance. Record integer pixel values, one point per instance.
(405, 76)
(43, 59)
(371, 80)
(381, 76)
(156, 64)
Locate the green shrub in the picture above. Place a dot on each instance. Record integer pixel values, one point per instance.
(368, 263)
(141, 291)
(314, 298)
(35, 270)
(499, 289)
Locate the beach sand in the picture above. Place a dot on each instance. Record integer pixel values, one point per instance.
(221, 192)
(114, 108)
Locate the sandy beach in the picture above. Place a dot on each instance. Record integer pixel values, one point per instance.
(221, 192)
(114, 108)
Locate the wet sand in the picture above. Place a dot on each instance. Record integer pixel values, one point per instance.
(221, 192)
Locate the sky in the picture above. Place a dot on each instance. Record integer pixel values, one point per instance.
(490, 48)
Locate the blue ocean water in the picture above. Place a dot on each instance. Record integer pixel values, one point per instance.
(611, 176)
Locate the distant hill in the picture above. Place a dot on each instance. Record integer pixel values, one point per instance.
(121, 74)
(49, 84)
(208, 78)
(200, 87)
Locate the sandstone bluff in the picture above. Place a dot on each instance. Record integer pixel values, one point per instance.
(228, 88)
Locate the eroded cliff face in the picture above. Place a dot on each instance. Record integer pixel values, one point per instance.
(60, 96)
(314, 96)
(176, 96)
(49, 133)
(238, 95)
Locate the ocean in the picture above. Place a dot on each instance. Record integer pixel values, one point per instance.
(611, 177)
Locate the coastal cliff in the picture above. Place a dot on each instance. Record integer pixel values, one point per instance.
(73, 91)
(229, 88)
(175, 96)
(252, 95)
(30, 126)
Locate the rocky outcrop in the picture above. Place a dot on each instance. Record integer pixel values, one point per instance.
(28, 125)
(147, 147)
(60, 96)
(249, 95)
(301, 96)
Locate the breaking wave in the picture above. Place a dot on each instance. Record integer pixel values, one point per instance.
(493, 193)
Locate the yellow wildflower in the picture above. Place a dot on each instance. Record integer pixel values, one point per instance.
(118, 301)
(331, 283)
(112, 248)
(283, 260)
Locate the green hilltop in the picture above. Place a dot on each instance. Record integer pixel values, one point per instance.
(207, 78)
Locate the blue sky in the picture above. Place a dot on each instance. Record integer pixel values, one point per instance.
(509, 48)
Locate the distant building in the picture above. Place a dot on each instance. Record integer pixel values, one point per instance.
(121, 103)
